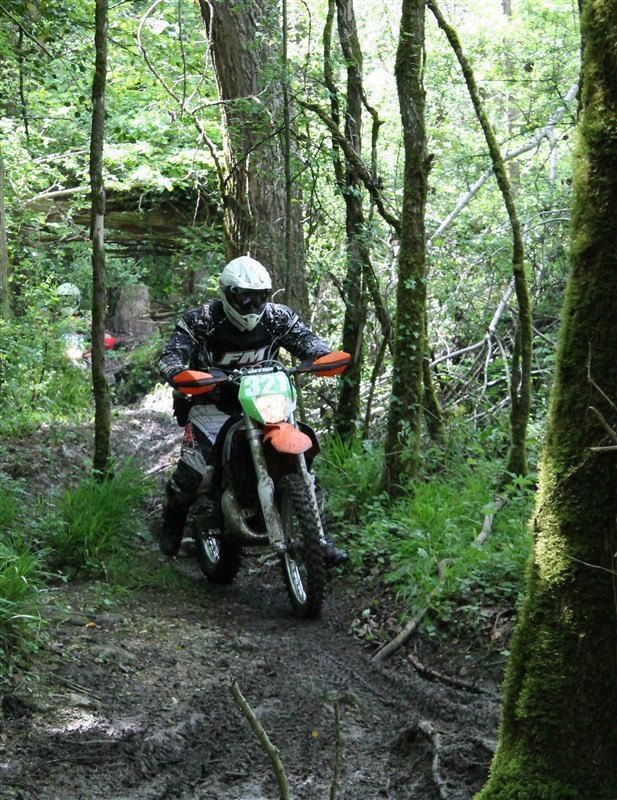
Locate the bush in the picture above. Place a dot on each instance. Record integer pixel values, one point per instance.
(22, 575)
(96, 522)
(424, 543)
(38, 382)
(140, 371)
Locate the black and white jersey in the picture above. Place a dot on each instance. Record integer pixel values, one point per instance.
(205, 339)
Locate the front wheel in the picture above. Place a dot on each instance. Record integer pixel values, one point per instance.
(303, 565)
(219, 558)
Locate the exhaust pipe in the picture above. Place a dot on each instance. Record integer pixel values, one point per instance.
(236, 522)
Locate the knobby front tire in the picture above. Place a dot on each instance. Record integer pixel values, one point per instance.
(303, 564)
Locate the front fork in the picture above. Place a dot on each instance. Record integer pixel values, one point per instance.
(266, 491)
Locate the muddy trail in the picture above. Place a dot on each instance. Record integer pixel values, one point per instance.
(152, 699)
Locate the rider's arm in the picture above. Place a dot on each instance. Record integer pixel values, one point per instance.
(177, 354)
(295, 337)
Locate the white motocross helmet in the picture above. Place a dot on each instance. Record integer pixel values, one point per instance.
(245, 287)
(70, 299)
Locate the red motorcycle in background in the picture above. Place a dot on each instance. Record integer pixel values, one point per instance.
(75, 340)
(76, 344)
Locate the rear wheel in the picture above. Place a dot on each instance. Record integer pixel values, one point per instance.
(219, 558)
(303, 565)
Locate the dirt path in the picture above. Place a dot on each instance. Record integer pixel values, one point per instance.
(137, 705)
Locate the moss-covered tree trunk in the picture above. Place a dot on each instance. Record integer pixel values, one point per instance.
(558, 737)
(405, 411)
(358, 256)
(245, 41)
(102, 421)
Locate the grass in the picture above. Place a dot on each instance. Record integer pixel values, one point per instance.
(89, 530)
(424, 545)
(95, 523)
(22, 576)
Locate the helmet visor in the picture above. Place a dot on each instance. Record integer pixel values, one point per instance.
(249, 301)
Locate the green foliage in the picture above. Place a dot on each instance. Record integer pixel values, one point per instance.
(140, 372)
(423, 545)
(22, 574)
(153, 160)
(95, 522)
(38, 382)
(90, 530)
(350, 471)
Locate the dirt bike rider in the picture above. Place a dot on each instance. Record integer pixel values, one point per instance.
(239, 329)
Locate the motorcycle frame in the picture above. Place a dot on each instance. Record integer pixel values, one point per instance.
(265, 490)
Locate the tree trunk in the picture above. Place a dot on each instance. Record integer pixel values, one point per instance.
(559, 732)
(5, 303)
(405, 411)
(102, 420)
(131, 313)
(358, 257)
(245, 45)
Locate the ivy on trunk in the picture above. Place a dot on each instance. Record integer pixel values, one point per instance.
(405, 412)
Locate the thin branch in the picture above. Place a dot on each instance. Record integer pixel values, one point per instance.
(356, 162)
(337, 752)
(604, 424)
(544, 133)
(45, 195)
(435, 675)
(270, 750)
(408, 631)
(487, 525)
(144, 53)
(26, 33)
(411, 627)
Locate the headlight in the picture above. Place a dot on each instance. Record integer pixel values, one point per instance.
(272, 407)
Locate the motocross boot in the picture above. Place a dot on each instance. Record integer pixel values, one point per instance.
(170, 536)
(333, 556)
(174, 520)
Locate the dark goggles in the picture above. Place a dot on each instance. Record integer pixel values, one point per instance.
(249, 300)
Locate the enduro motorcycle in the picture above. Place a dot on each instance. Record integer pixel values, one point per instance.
(265, 493)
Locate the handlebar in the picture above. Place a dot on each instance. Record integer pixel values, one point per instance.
(194, 382)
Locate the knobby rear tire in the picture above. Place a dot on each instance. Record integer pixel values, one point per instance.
(303, 564)
(219, 558)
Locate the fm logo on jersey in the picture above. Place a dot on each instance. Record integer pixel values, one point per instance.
(242, 358)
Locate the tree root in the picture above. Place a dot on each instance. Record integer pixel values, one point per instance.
(450, 680)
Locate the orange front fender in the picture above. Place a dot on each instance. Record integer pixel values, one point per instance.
(287, 439)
